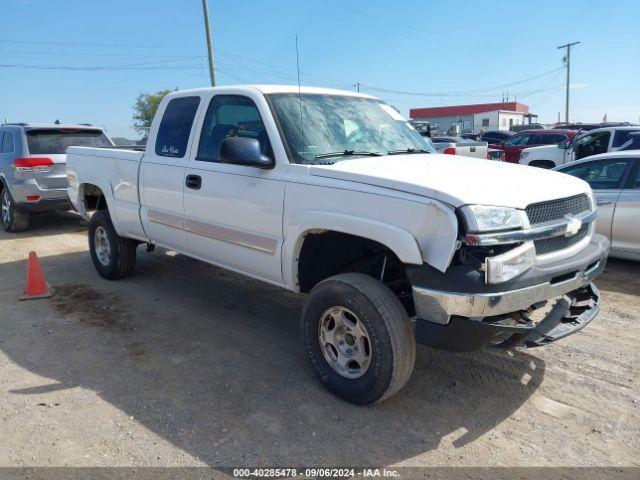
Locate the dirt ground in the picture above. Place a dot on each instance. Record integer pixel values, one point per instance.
(185, 364)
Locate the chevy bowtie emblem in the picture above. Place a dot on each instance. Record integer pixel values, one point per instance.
(573, 226)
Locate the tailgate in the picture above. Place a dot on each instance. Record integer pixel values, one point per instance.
(472, 149)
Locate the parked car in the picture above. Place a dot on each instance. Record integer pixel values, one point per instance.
(530, 138)
(495, 138)
(392, 242)
(586, 127)
(527, 126)
(615, 180)
(32, 168)
(475, 136)
(460, 146)
(585, 144)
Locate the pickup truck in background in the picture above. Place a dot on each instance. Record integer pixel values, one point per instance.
(585, 144)
(533, 138)
(460, 146)
(335, 195)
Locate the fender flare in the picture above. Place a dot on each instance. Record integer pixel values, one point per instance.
(401, 242)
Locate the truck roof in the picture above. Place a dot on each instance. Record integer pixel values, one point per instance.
(268, 88)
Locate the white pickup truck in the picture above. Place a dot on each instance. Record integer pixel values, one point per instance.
(585, 144)
(333, 194)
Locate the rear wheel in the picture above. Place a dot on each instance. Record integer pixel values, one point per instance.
(358, 337)
(12, 219)
(113, 256)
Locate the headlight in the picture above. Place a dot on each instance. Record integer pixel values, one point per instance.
(510, 264)
(524, 154)
(482, 218)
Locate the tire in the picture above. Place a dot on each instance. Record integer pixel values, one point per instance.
(12, 220)
(390, 338)
(120, 258)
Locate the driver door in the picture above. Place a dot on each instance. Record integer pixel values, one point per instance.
(233, 212)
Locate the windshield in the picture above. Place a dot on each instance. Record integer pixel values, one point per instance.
(54, 141)
(320, 129)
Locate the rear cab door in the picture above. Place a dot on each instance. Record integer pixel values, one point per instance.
(233, 217)
(161, 178)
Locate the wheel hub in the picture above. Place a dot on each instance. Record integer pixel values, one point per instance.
(344, 342)
(5, 207)
(101, 246)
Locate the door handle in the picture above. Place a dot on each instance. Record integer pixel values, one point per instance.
(603, 203)
(194, 182)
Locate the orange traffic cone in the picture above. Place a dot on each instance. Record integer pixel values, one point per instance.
(37, 286)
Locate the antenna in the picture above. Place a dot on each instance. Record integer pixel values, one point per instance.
(299, 95)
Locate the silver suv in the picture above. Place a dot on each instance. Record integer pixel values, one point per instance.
(33, 178)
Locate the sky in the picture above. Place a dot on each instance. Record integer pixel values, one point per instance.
(86, 61)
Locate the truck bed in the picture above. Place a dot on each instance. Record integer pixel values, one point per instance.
(115, 172)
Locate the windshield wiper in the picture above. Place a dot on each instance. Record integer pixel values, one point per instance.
(347, 153)
(408, 150)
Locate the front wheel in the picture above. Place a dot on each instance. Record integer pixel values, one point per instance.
(113, 256)
(358, 337)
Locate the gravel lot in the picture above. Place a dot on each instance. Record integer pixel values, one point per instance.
(186, 364)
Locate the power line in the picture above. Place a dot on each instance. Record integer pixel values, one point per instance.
(460, 93)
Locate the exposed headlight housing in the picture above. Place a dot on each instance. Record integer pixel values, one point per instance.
(483, 218)
(523, 154)
(510, 264)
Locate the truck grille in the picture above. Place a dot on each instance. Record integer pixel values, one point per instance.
(550, 245)
(554, 210)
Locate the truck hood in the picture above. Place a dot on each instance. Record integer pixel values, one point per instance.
(456, 180)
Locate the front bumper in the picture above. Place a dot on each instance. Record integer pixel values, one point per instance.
(473, 318)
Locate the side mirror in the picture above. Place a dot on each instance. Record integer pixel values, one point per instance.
(564, 144)
(244, 151)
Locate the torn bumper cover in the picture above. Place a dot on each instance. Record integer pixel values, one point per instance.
(468, 320)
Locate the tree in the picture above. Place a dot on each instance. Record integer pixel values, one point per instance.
(145, 108)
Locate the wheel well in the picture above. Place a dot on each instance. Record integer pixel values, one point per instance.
(93, 198)
(542, 164)
(329, 253)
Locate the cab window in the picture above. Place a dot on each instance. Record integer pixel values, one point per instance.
(592, 144)
(518, 140)
(175, 127)
(601, 175)
(231, 116)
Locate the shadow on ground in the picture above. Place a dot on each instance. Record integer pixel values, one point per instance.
(212, 362)
(53, 223)
(620, 276)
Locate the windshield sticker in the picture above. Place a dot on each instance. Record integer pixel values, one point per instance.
(392, 112)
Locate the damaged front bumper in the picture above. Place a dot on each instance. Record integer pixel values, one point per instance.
(482, 316)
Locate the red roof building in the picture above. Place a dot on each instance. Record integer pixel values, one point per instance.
(472, 118)
(467, 109)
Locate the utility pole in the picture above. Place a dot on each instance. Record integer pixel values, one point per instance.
(357, 85)
(207, 28)
(568, 62)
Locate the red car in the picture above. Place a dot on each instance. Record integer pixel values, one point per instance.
(532, 138)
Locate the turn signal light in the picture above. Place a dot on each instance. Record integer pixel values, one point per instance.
(30, 164)
(449, 151)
